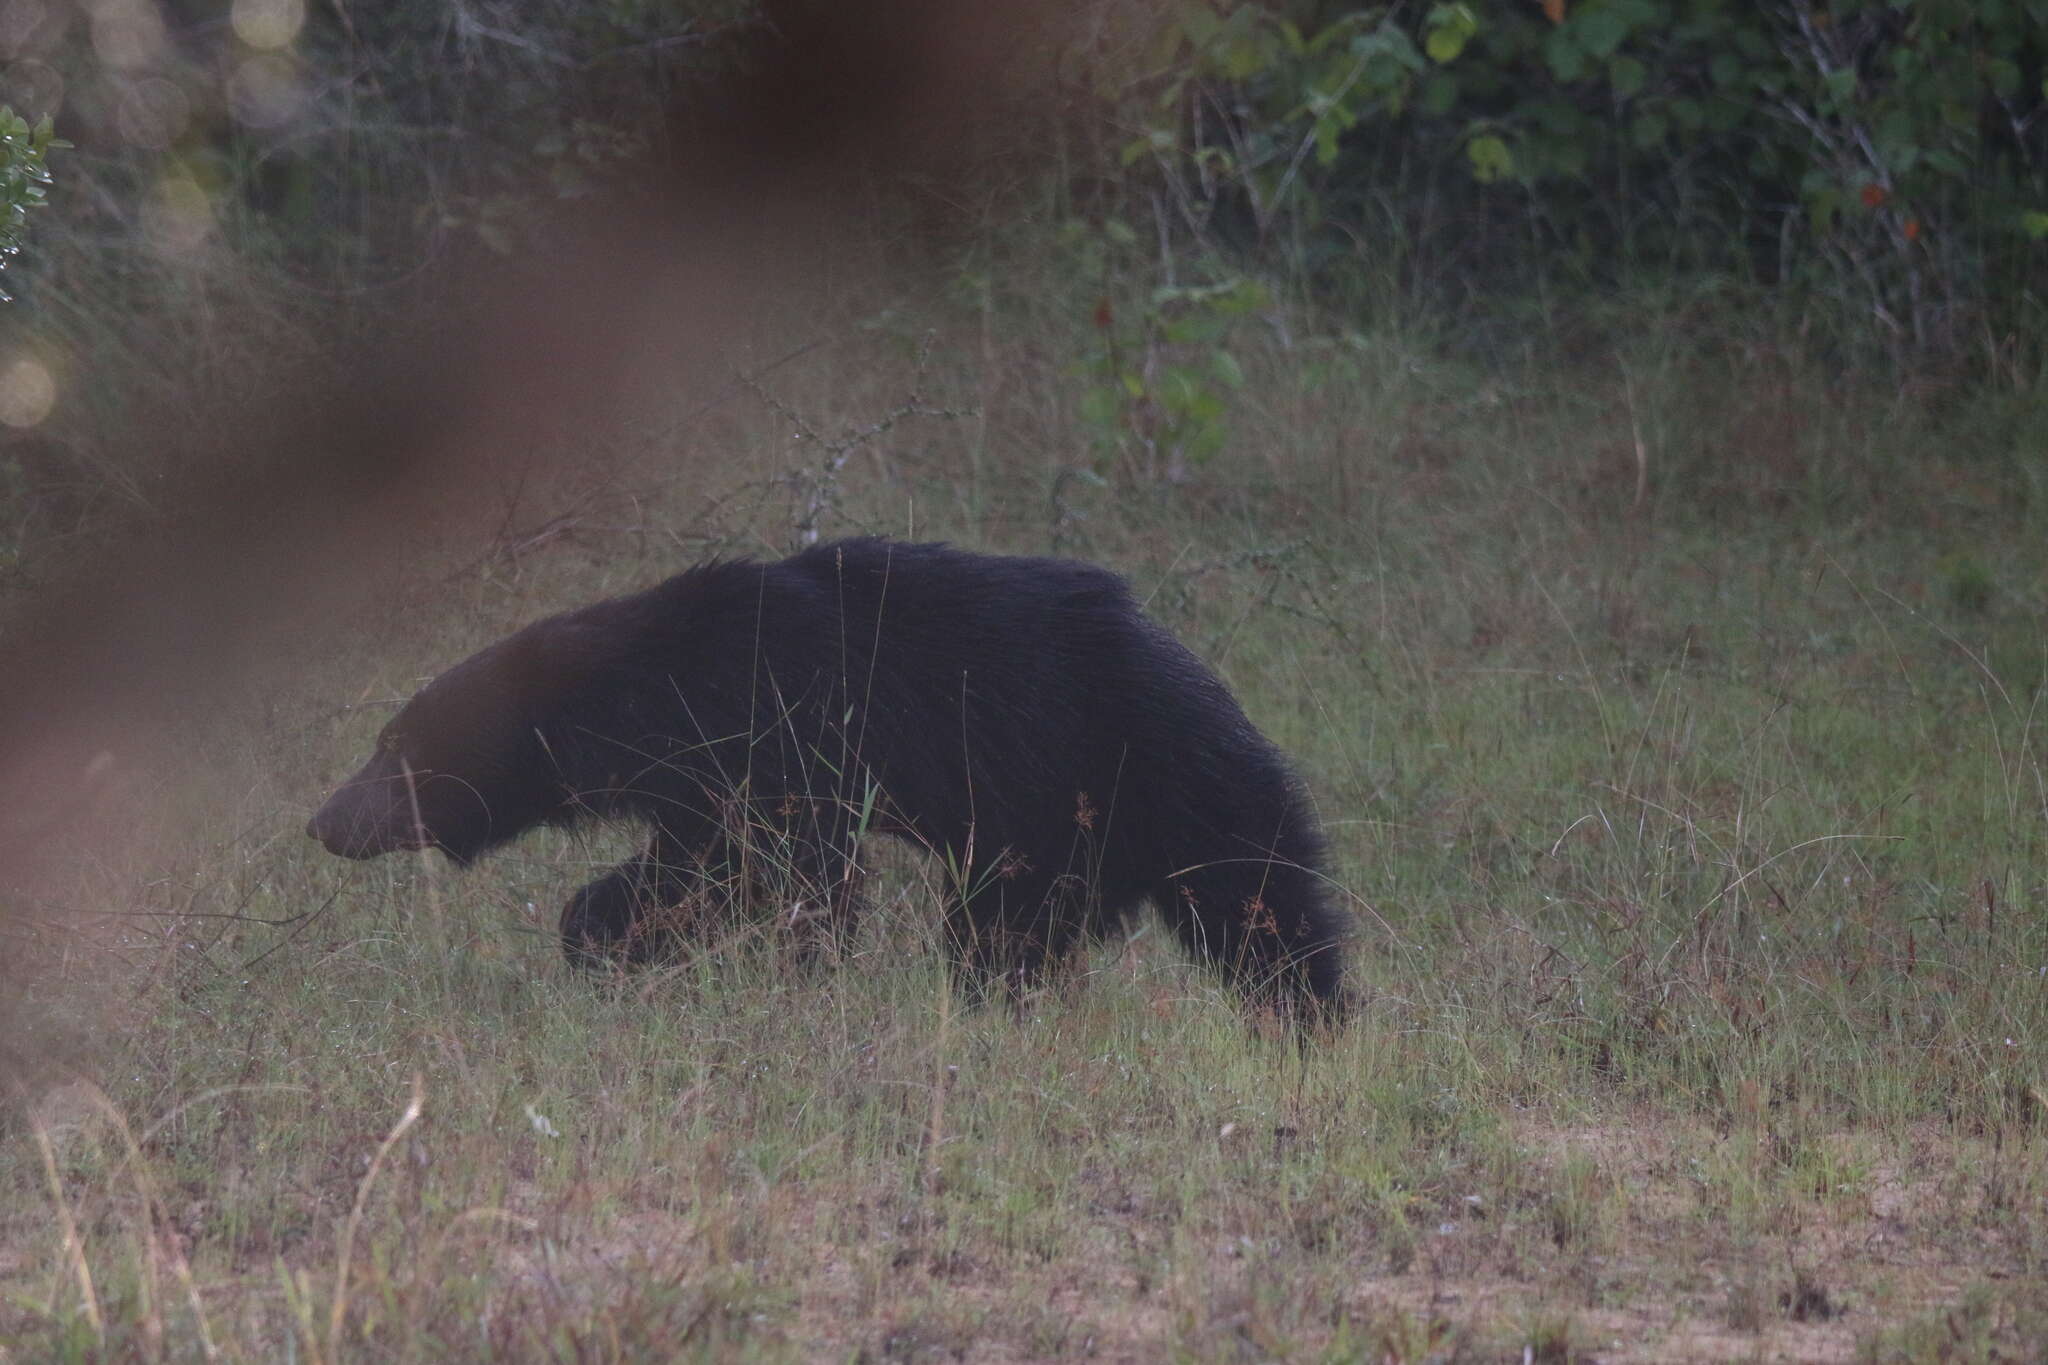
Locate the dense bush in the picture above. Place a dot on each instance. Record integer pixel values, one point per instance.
(24, 177)
(1887, 155)
(1890, 157)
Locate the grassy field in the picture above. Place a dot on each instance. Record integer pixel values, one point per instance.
(1672, 709)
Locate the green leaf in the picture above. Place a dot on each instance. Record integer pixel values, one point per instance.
(1723, 113)
(1178, 389)
(1101, 406)
(1342, 33)
(1566, 156)
(1626, 74)
(1444, 44)
(1600, 31)
(1242, 297)
(1194, 328)
(1566, 58)
(1948, 163)
(2035, 224)
(1490, 157)
(1450, 28)
(1137, 147)
(1227, 369)
(1199, 23)
(1205, 441)
(1327, 132)
(1648, 130)
(1439, 93)
(1389, 45)
(1561, 117)
(1821, 208)
(1243, 59)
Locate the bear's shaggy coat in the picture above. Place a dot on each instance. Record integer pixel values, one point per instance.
(1065, 755)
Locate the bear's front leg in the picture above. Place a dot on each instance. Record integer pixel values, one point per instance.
(819, 899)
(1012, 929)
(614, 921)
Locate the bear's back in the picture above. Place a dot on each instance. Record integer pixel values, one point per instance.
(871, 579)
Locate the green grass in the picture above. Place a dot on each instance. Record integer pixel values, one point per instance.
(1694, 826)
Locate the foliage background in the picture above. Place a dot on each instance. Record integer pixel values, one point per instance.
(251, 180)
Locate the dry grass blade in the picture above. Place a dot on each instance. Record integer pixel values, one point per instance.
(74, 1246)
(355, 1215)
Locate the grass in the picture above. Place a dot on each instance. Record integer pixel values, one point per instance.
(1675, 728)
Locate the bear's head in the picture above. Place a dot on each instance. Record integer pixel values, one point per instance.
(465, 766)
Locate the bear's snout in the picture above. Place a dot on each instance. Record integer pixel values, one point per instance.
(347, 839)
(361, 820)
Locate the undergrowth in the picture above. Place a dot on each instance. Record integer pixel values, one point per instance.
(1673, 719)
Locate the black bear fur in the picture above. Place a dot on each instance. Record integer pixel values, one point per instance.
(1023, 718)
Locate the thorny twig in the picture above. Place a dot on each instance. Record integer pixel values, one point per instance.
(817, 485)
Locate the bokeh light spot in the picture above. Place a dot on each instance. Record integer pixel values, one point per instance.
(34, 85)
(265, 90)
(151, 112)
(127, 33)
(19, 22)
(268, 24)
(27, 391)
(179, 215)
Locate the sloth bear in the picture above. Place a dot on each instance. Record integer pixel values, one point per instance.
(1064, 754)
